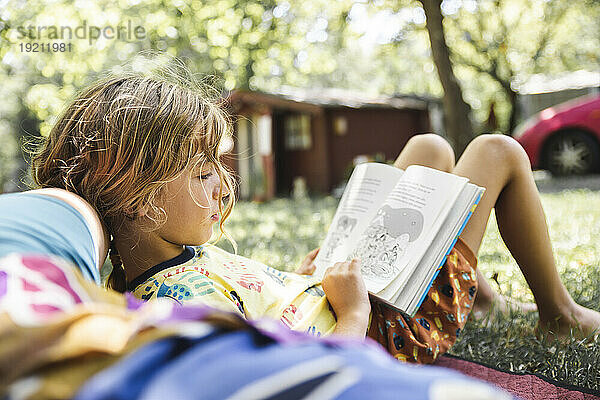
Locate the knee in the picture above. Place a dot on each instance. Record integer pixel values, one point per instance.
(434, 149)
(500, 149)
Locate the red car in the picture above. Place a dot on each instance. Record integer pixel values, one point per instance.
(564, 139)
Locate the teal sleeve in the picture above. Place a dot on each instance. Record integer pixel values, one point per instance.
(32, 223)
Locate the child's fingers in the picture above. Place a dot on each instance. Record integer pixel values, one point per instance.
(312, 255)
(301, 270)
(354, 265)
(335, 268)
(345, 268)
(307, 267)
(304, 266)
(305, 263)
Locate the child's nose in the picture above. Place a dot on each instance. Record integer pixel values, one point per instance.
(216, 192)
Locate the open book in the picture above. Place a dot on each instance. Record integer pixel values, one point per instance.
(401, 225)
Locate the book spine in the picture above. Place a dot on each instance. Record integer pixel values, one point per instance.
(447, 254)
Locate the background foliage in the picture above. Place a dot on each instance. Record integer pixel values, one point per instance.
(378, 46)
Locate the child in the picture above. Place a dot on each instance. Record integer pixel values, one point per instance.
(54, 324)
(144, 153)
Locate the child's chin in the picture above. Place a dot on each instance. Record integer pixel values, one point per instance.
(202, 239)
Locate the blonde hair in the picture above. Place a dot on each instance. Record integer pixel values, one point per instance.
(125, 137)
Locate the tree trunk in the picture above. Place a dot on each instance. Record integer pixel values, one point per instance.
(456, 111)
(513, 99)
(514, 109)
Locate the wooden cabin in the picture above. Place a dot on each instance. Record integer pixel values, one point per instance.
(314, 137)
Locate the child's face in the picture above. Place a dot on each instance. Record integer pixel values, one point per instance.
(189, 223)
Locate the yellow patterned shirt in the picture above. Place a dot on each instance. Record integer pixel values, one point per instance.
(209, 275)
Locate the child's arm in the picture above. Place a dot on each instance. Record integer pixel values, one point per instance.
(346, 292)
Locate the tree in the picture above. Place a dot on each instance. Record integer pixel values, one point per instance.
(264, 44)
(250, 44)
(456, 111)
(508, 40)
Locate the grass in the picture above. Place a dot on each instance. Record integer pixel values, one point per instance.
(281, 232)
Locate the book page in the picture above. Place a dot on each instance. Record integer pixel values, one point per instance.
(415, 289)
(367, 188)
(404, 226)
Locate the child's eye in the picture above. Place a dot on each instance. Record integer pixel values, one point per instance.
(205, 176)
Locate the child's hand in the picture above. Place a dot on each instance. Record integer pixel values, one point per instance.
(307, 267)
(346, 292)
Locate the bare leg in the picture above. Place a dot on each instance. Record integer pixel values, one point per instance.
(433, 151)
(429, 150)
(500, 165)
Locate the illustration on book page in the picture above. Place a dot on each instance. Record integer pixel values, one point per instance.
(385, 241)
(342, 230)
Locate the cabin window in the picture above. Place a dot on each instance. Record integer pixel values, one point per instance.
(297, 132)
(340, 126)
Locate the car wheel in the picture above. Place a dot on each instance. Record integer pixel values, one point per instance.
(571, 153)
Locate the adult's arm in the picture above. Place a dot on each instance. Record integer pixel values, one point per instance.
(95, 225)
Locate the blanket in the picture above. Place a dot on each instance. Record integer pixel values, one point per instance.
(524, 386)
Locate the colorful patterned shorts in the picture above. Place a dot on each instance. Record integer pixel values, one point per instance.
(440, 319)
